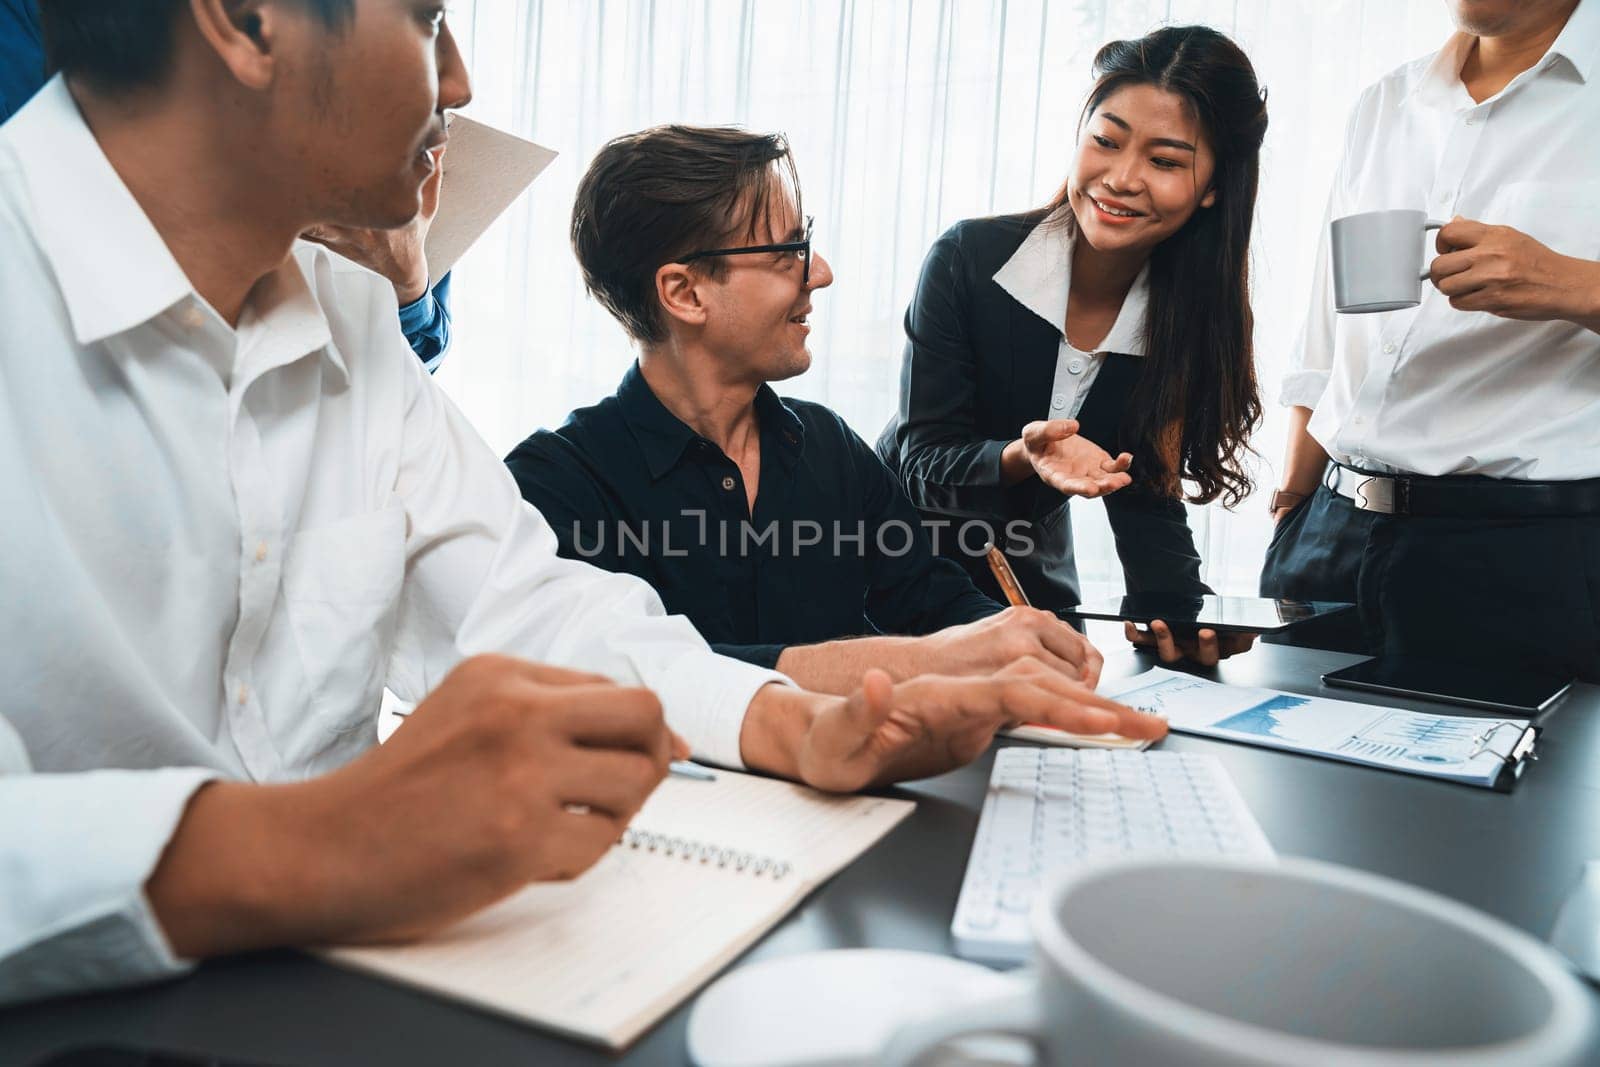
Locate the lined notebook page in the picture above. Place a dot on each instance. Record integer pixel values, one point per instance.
(604, 957)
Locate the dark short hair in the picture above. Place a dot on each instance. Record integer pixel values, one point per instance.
(652, 196)
(127, 44)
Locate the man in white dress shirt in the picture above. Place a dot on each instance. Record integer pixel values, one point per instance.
(236, 508)
(1461, 509)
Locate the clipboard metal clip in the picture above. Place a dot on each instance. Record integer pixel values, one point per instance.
(1520, 750)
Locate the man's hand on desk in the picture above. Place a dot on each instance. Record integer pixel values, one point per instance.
(888, 732)
(508, 773)
(988, 645)
(1507, 273)
(1206, 648)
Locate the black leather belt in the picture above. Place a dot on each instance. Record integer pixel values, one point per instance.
(1462, 496)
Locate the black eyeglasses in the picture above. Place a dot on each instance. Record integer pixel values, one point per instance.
(802, 246)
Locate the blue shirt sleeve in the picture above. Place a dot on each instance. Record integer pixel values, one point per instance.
(21, 55)
(426, 323)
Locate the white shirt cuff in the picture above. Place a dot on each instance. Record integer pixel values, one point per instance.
(705, 698)
(74, 915)
(1302, 388)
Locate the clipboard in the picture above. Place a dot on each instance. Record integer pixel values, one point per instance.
(1514, 758)
(1487, 753)
(485, 169)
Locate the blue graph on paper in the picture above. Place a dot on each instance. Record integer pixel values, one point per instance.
(1262, 719)
(1459, 747)
(1158, 698)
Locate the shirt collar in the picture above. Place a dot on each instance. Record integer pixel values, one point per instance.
(662, 437)
(113, 268)
(1039, 276)
(780, 425)
(286, 308)
(1578, 44)
(1579, 41)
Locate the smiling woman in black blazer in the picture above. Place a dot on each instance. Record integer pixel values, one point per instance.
(1099, 346)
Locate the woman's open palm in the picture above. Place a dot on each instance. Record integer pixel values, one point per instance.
(1072, 464)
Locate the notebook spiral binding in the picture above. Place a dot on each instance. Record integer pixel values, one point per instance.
(699, 851)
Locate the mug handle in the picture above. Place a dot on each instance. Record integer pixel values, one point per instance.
(1431, 224)
(1014, 1014)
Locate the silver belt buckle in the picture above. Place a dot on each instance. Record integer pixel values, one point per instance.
(1374, 493)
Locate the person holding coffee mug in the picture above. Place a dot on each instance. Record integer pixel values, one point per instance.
(1099, 346)
(1443, 466)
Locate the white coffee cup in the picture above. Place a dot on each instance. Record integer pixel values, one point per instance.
(1377, 260)
(1226, 962)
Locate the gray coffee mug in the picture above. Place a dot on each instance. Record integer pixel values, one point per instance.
(1228, 962)
(1377, 260)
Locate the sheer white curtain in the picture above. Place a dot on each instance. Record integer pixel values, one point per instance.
(905, 116)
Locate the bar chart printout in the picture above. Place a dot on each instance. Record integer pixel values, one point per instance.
(1463, 748)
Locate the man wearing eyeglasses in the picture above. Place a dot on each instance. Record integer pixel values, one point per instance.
(765, 520)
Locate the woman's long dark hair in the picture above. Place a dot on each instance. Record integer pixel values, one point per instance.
(1197, 399)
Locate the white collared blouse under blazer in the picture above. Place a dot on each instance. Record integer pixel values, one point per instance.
(1432, 390)
(1039, 277)
(222, 544)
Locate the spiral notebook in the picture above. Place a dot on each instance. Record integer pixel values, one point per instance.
(704, 870)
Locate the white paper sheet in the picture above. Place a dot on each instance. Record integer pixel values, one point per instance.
(1459, 747)
(485, 169)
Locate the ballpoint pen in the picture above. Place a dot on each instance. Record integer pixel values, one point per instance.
(1008, 581)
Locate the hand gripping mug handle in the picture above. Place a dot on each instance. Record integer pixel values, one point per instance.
(1015, 1014)
(1431, 224)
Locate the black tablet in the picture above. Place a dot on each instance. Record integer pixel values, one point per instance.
(1521, 693)
(1187, 614)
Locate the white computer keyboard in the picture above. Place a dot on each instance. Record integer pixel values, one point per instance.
(1052, 809)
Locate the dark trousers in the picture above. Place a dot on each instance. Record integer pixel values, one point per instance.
(1521, 592)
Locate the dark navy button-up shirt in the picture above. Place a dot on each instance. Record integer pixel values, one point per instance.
(834, 548)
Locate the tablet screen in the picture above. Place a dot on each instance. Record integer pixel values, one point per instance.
(1184, 613)
(1474, 685)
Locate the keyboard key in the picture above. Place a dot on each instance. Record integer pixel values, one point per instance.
(1049, 811)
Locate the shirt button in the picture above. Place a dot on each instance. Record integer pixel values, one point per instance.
(1075, 367)
(727, 482)
(1058, 401)
(1472, 120)
(191, 316)
(244, 696)
(1388, 348)
(261, 552)
(1359, 420)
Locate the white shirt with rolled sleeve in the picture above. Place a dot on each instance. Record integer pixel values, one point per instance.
(222, 544)
(1432, 390)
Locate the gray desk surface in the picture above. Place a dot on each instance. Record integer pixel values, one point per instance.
(1515, 856)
